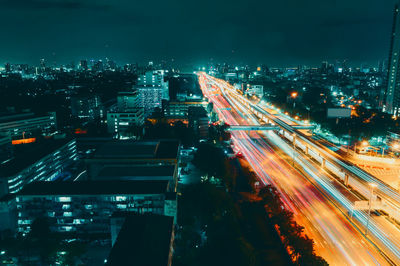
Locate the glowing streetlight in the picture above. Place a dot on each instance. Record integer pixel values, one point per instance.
(363, 144)
(294, 95)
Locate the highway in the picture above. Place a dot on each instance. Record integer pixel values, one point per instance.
(318, 202)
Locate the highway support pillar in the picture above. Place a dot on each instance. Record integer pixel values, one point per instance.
(346, 179)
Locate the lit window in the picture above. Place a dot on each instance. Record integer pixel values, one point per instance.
(67, 214)
(64, 199)
(120, 198)
(67, 228)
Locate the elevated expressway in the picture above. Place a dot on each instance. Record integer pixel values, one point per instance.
(324, 207)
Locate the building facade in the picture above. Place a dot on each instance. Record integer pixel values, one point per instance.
(24, 125)
(127, 101)
(152, 88)
(155, 78)
(85, 207)
(122, 122)
(16, 173)
(257, 90)
(392, 95)
(6, 149)
(87, 107)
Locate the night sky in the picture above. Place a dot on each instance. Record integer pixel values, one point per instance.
(274, 32)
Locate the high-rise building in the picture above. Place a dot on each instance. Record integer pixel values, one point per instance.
(83, 65)
(98, 66)
(150, 99)
(392, 95)
(7, 67)
(155, 79)
(127, 101)
(128, 114)
(87, 107)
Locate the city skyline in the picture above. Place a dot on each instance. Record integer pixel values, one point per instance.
(200, 133)
(277, 34)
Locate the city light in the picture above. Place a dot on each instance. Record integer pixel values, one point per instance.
(260, 157)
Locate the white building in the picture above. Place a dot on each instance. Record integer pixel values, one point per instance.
(120, 123)
(153, 79)
(257, 90)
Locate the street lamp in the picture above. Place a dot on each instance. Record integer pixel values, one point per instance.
(372, 186)
(294, 96)
(364, 144)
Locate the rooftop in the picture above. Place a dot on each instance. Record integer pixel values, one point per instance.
(143, 240)
(27, 154)
(13, 117)
(155, 149)
(137, 172)
(95, 188)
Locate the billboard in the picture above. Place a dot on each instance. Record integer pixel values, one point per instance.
(339, 112)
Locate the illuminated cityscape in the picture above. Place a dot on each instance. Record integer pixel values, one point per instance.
(204, 133)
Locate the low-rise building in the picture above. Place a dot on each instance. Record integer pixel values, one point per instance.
(257, 90)
(42, 161)
(180, 109)
(6, 149)
(85, 207)
(138, 172)
(127, 153)
(28, 124)
(198, 121)
(143, 240)
(123, 123)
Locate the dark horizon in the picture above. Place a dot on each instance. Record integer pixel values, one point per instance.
(283, 34)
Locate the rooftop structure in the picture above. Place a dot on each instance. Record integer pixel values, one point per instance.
(143, 240)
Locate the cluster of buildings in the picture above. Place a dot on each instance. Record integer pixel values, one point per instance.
(126, 182)
(25, 127)
(96, 188)
(156, 93)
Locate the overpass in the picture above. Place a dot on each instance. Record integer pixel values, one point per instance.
(253, 127)
(349, 174)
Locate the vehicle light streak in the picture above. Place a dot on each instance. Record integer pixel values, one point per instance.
(337, 238)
